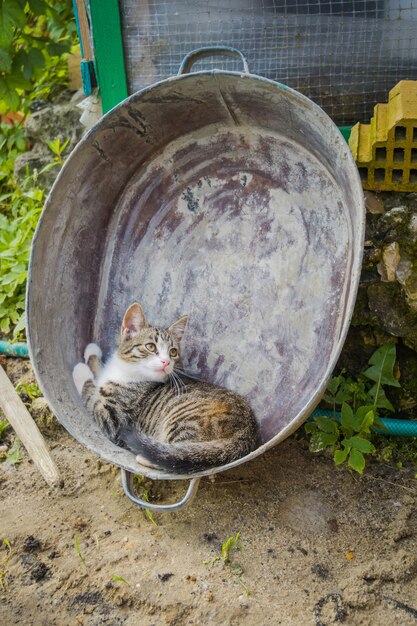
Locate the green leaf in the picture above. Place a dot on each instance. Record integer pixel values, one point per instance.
(57, 49)
(326, 425)
(320, 441)
(38, 7)
(347, 419)
(382, 365)
(310, 427)
(340, 456)
(5, 61)
(14, 456)
(377, 396)
(356, 460)
(359, 443)
(12, 16)
(36, 57)
(364, 418)
(334, 384)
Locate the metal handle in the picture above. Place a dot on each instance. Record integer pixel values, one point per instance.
(127, 483)
(201, 53)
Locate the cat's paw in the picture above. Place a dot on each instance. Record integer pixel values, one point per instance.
(92, 350)
(80, 374)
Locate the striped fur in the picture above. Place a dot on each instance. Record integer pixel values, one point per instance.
(175, 424)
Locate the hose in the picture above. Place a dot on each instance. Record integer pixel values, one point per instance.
(14, 349)
(397, 427)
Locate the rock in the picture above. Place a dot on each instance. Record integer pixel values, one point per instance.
(389, 263)
(374, 203)
(59, 121)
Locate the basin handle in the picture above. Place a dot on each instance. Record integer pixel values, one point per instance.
(127, 484)
(209, 51)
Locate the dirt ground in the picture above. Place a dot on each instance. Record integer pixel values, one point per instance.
(318, 545)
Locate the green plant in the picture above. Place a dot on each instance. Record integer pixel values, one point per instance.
(16, 233)
(34, 37)
(360, 400)
(228, 549)
(14, 455)
(120, 579)
(78, 551)
(4, 426)
(57, 149)
(31, 390)
(144, 493)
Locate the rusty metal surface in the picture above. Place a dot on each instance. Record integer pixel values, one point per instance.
(223, 196)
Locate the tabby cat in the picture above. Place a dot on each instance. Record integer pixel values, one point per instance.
(171, 422)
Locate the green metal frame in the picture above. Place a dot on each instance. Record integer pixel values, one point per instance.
(108, 52)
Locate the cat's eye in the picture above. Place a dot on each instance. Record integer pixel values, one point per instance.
(151, 347)
(173, 353)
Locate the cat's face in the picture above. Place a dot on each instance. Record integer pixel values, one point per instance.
(154, 352)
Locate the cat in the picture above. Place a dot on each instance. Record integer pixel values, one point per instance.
(170, 422)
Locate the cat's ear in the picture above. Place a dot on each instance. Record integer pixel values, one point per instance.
(134, 320)
(178, 327)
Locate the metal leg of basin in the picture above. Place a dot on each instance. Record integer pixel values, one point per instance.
(127, 483)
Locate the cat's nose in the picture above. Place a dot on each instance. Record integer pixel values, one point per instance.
(165, 362)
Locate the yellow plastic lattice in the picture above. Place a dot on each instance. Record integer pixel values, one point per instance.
(385, 150)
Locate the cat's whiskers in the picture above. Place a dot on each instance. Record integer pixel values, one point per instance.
(178, 381)
(174, 384)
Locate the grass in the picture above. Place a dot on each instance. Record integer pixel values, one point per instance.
(77, 549)
(227, 552)
(144, 494)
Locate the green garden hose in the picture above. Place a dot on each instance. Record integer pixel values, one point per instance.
(397, 427)
(14, 349)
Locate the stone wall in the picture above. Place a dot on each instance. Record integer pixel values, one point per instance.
(386, 306)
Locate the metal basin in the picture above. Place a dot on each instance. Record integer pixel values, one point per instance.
(221, 195)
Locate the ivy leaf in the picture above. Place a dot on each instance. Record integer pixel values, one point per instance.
(356, 460)
(382, 365)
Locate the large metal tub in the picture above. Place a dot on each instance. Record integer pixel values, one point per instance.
(221, 195)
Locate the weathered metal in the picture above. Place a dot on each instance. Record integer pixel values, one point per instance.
(220, 195)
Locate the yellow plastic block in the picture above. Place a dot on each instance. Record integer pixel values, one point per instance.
(385, 150)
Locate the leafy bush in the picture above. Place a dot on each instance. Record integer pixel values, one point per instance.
(34, 35)
(360, 401)
(17, 226)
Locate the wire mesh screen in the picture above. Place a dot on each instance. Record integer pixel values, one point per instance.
(344, 54)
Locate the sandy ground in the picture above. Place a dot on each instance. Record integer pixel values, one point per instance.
(318, 545)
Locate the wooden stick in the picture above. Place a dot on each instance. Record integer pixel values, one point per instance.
(84, 30)
(27, 431)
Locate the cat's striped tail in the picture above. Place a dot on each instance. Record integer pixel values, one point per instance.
(181, 457)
